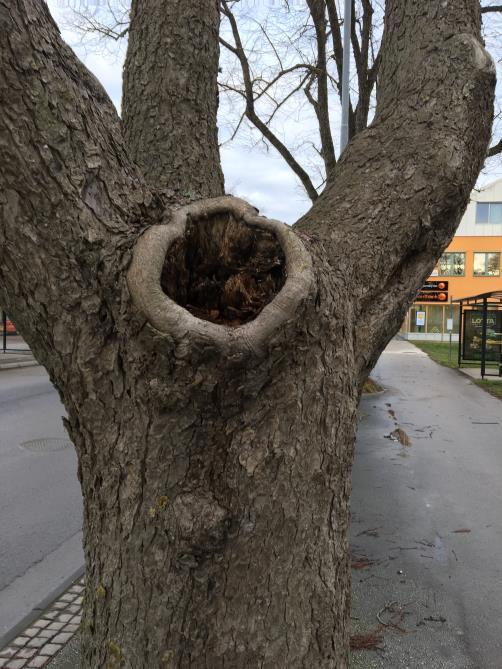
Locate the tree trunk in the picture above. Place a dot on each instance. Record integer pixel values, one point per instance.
(211, 360)
(230, 458)
(170, 98)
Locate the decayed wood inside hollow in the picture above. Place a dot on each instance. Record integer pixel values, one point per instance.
(223, 270)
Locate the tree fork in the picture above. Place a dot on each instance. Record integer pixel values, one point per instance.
(216, 472)
(144, 277)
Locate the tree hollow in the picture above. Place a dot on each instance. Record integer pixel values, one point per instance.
(223, 270)
(221, 275)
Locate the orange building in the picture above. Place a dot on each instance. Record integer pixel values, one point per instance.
(471, 265)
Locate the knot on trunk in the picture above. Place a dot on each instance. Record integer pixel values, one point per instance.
(202, 526)
(218, 274)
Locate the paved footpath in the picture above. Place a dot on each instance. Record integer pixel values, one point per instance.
(426, 526)
(427, 517)
(16, 355)
(36, 645)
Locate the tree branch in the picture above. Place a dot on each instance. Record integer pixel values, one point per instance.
(282, 73)
(87, 24)
(336, 37)
(72, 200)
(403, 183)
(366, 76)
(292, 92)
(317, 11)
(495, 149)
(251, 113)
(111, 22)
(176, 150)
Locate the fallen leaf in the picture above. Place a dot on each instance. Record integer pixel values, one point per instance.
(361, 564)
(401, 437)
(370, 641)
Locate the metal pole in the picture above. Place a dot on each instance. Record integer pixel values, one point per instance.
(461, 351)
(4, 334)
(451, 329)
(347, 22)
(483, 338)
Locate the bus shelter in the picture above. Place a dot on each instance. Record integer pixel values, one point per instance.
(480, 332)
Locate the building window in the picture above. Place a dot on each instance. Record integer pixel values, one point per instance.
(487, 264)
(489, 212)
(435, 318)
(450, 264)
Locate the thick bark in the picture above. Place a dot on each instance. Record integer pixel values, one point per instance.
(198, 568)
(214, 456)
(71, 201)
(170, 98)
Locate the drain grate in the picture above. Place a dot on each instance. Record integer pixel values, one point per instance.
(46, 445)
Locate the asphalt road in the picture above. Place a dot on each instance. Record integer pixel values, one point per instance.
(430, 516)
(40, 501)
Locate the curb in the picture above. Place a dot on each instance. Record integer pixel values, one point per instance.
(37, 610)
(18, 365)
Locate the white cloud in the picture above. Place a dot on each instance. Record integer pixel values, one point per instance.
(265, 181)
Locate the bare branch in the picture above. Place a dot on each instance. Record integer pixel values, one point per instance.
(283, 73)
(112, 22)
(317, 11)
(294, 90)
(366, 75)
(336, 37)
(227, 87)
(229, 46)
(495, 149)
(251, 110)
(272, 45)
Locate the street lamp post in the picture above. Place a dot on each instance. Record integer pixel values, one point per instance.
(347, 21)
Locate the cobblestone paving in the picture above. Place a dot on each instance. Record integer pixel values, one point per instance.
(45, 637)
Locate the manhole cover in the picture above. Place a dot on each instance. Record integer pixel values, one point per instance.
(46, 445)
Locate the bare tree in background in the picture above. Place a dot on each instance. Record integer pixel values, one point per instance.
(281, 71)
(101, 22)
(211, 360)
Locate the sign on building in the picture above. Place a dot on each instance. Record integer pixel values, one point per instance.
(435, 285)
(433, 291)
(432, 296)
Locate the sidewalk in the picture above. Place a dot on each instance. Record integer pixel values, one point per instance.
(475, 373)
(36, 645)
(426, 531)
(17, 354)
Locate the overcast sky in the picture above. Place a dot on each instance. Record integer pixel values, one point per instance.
(262, 178)
(259, 176)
